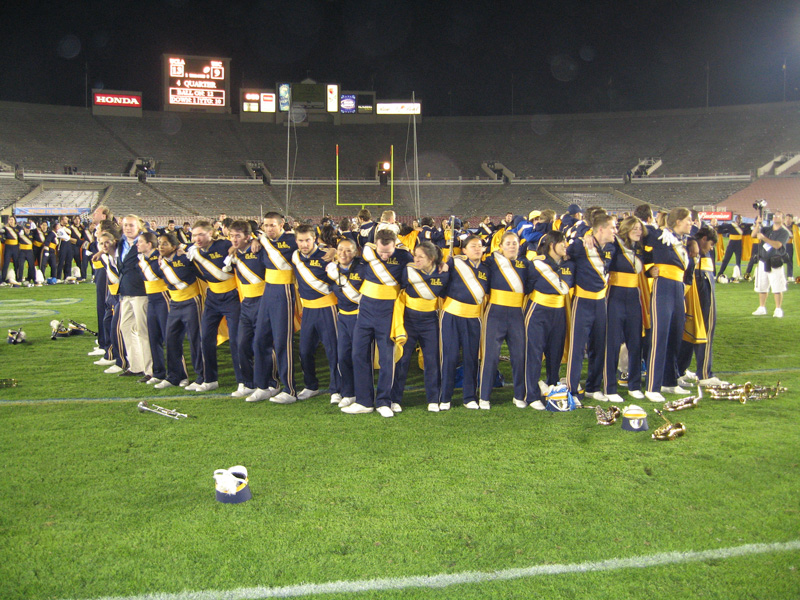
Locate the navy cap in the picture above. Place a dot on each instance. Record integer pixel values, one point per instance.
(574, 209)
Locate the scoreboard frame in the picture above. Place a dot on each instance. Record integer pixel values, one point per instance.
(203, 83)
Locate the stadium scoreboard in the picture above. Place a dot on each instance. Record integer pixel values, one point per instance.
(196, 83)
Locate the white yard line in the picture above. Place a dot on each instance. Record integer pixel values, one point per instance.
(446, 580)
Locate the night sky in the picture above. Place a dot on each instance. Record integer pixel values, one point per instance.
(460, 58)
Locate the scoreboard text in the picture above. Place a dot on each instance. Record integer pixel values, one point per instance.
(196, 83)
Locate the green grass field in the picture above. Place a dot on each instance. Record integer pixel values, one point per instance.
(100, 500)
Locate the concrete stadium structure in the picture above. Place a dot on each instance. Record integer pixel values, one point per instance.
(201, 164)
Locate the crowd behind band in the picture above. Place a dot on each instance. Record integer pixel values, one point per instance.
(633, 295)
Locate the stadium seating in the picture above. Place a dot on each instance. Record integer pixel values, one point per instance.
(536, 148)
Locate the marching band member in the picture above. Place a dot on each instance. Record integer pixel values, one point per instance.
(64, 235)
(667, 302)
(41, 249)
(346, 275)
(185, 313)
(184, 234)
(510, 279)
(221, 301)
(26, 253)
(429, 233)
(385, 262)
(101, 292)
(460, 321)
(625, 298)
(366, 228)
(157, 305)
(249, 267)
(736, 232)
(592, 256)
(76, 239)
(319, 313)
(485, 229)
(115, 353)
(276, 314)
(423, 282)
(546, 317)
(704, 280)
(11, 250)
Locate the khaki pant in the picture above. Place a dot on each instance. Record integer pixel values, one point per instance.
(133, 324)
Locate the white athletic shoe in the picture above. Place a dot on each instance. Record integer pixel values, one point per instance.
(689, 375)
(347, 401)
(306, 394)
(113, 369)
(761, 310)
(444, 406)
(104, 362)
(713, 381)
(599, 396)
(614, 398)
(336, 398)
(684, 381)
(163, 385)
(674, 390)
(484, 405)
(208, 386)
(283, 398)
(242, 391)
(153, 381)
(385, 411)
(96, 352)
(396, 407)
(778, 314)
(259, 394)
(654, 397)
(538, 405)
(358, 409)
(194, 387)
(433, 407)
(636, 394)
(472, 405)
(544, 388)
(183, 383)
(520, 403)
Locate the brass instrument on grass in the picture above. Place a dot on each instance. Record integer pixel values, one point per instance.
(745, 392)
(730, 391)
(83, 327)
(160, 410)
(7, 383)
(668, 431)
(763, 392)
(605, 417)
(684, 403)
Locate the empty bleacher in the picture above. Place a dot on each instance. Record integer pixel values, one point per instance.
(556, 148)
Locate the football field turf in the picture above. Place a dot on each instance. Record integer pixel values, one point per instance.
(100, 500)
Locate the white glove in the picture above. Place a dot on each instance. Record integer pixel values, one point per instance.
(668, 238)
(229, 262)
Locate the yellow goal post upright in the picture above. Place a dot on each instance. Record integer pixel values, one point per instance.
(391, 183)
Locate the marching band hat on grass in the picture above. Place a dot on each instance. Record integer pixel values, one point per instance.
(634, 418)
(232, 485)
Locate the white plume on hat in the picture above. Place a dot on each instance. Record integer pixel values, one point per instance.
(226, 481)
